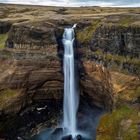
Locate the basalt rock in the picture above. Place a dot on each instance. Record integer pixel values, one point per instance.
(112, 42)
(117, 40)
(33, 35)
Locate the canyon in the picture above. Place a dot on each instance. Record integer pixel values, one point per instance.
(107, 55)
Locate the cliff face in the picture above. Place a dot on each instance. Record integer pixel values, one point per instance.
(117, 40)
(113, 42)
(34, 80)
(34, 68)
(35, 57)
(34, 35)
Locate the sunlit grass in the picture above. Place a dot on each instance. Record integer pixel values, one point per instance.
(6, 95)
(120, 124)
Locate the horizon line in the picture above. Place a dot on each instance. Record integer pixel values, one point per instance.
(71, 6)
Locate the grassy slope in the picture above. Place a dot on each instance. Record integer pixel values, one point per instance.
(6, 97)
(120, 124)
(3, 38)
(87, 33)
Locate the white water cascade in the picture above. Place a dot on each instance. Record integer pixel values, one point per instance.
(71, 100)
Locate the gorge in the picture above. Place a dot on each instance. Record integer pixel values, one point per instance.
(107, 46)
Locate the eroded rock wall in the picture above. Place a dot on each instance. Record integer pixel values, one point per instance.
(35, 68)
(114, 44)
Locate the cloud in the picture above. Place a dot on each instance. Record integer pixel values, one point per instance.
(103, 3)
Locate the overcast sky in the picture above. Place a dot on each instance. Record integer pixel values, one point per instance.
(118, 3)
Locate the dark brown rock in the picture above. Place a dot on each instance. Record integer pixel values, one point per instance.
(5, 26)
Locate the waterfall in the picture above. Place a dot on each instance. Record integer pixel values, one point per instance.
(71, 101)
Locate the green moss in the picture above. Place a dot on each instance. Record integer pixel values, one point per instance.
(98, 52)
(121, 123)
(7, 95)
(109, 56)
(87, 33)
(3, 38)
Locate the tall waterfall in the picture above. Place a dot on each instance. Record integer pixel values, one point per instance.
(70, 93)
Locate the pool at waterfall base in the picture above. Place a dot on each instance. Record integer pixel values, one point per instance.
(88, 119)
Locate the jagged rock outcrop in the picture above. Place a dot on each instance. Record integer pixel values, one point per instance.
(95, 85)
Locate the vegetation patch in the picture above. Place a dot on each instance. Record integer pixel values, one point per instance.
(87, 34)
(6, 96)
(3, 38)
(120, 124)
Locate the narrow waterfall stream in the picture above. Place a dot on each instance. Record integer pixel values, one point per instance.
(71, 100)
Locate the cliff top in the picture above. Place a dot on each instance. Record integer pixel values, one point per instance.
(25, 13)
